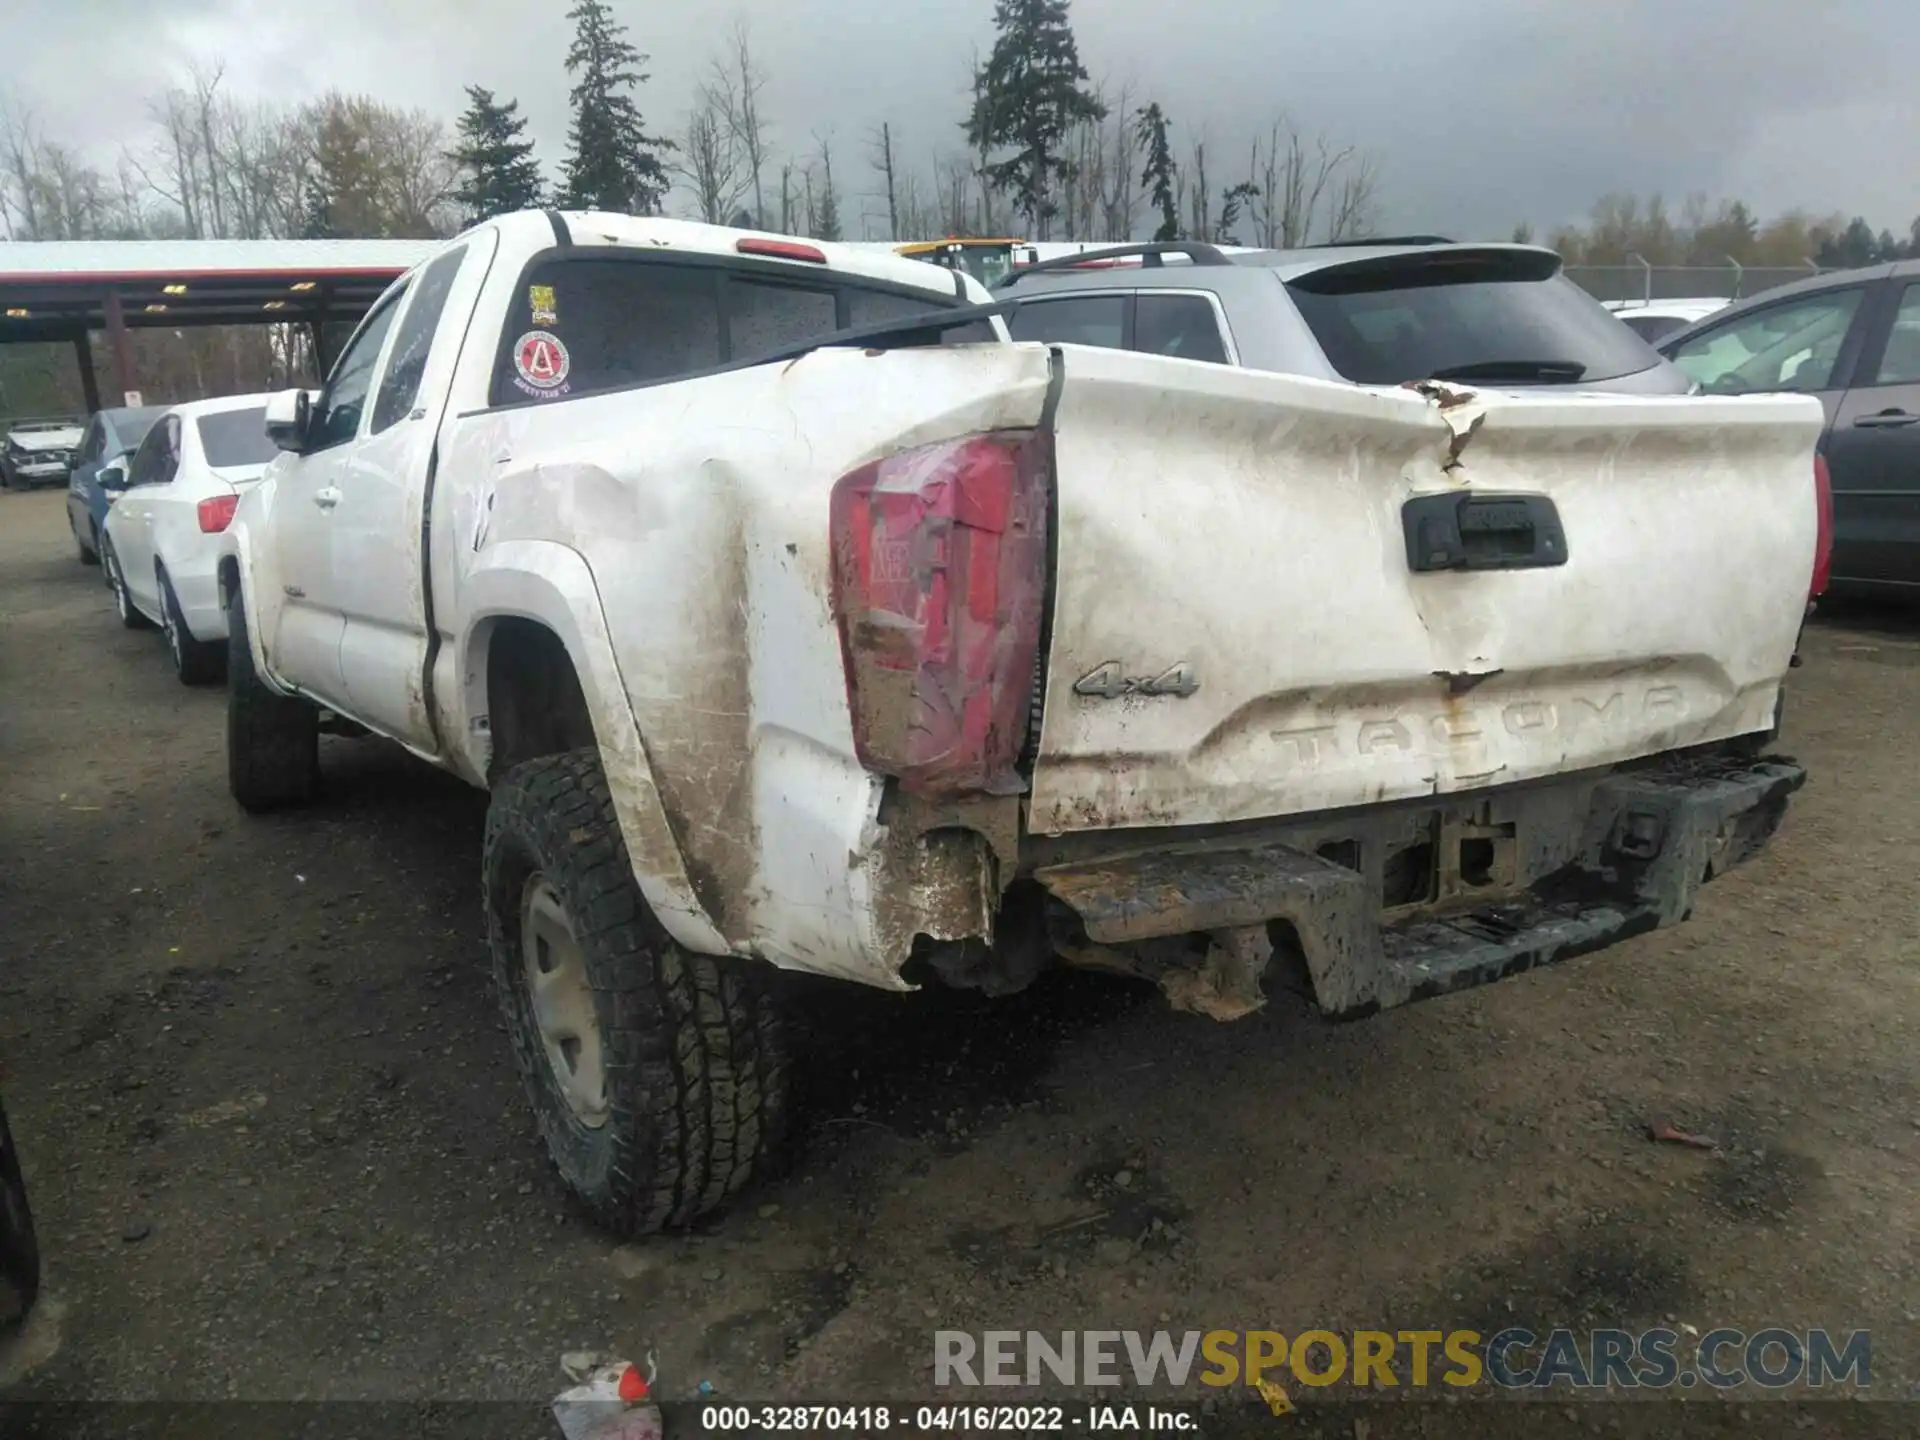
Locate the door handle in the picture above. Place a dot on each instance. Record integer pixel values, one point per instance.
(1885, 420)
(1482, 532)
(326, 497)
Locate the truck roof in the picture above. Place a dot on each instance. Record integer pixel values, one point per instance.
(595, 227)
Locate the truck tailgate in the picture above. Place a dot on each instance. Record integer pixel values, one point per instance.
(1239, 629)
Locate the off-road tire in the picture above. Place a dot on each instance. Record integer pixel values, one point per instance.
(130, 616)
(196, 662)
(19, 1254)
(696, 1075)
(273, 741)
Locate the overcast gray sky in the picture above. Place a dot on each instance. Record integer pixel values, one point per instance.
(1483, 111)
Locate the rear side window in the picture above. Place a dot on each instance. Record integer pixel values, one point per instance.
(236, 437)
(1472, 318)
(1080, 320)
(1182, 325)
(585, 323)
(878, 307)
(764, 315)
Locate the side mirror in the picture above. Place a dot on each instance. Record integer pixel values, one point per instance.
(289, 415)
(113, 476)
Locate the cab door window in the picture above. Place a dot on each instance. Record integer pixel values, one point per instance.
(337, 419)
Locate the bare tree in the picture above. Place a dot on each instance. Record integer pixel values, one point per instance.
(741, 81)
(206, 82)
(1199, 197)
(20, 143)
(1310, 188)
(1119, 165)
(883, 165)
(953, 199)
(1355, 195)
(824, 218)
(709, 160)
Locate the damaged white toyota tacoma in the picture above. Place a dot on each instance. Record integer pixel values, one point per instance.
(795, 617)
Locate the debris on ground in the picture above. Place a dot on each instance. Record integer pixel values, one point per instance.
(612, 1401)
(1665, 1134)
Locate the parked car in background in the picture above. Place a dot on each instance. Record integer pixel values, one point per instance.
(161, 539)
(786, 632)
(1379, 314)
(19, 1253)
(1853, 340)
(39, 452)
(1653, 320)
(110, 435)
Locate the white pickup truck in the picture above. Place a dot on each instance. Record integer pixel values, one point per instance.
(912, 653)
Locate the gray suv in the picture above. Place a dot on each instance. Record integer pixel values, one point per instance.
(1379, 313)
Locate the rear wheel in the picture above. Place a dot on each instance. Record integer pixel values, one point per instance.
(196, 662)
(130, 615)
(656, 1075)
(87, 545)
(273, 740)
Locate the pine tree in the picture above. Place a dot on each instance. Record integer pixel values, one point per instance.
(614, 165)
(1157, 178)
(1027, 96)
(1232, 202)
(498, 174)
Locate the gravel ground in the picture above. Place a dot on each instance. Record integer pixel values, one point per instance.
(277, 1149)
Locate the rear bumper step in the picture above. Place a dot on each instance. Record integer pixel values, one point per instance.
(1580, 866)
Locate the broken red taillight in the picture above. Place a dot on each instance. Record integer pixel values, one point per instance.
(217, 513)
(1823, 527)
(939, 584)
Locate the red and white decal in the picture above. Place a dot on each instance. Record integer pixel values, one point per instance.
(541, 362)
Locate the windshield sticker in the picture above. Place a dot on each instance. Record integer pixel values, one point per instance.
(542, 364)
(540, 302)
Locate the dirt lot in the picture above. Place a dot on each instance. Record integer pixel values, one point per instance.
(277, 1149)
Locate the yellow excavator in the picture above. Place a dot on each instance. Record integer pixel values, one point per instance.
(988, 261)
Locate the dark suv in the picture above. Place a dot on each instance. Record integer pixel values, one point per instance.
(1380, 313)
(1853, 339)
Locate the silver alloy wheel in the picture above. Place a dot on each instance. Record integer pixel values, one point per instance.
(562, 999)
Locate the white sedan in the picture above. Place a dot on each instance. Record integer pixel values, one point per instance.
(167, 510)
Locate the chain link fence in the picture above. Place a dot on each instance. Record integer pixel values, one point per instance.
(1685, 282)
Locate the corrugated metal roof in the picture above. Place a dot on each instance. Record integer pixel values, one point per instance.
(172, 259)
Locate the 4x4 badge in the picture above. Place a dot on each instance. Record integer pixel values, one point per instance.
(1111, 682)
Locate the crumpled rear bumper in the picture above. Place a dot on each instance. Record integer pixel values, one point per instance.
(1565, 869)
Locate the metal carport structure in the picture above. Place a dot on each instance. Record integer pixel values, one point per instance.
(52, 291)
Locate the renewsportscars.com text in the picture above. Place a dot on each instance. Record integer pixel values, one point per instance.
(1515, 1358)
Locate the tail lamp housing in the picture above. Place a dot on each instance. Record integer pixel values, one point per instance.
(216, 513)
(1823, 528)
(939, 560)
